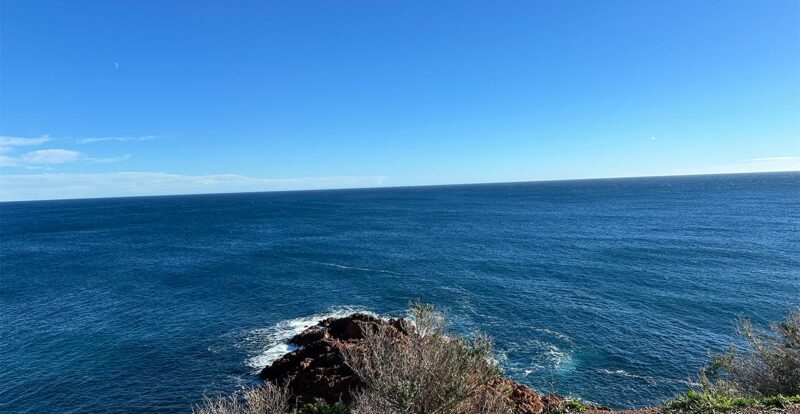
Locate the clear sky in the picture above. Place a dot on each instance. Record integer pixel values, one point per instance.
(109, 98)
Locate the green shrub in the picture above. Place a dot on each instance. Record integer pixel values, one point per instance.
(698, 402)
(322, 407)
(568, 406)
(768, 363)
(573, 406)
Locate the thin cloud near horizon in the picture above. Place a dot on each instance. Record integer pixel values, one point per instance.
(48, 186)
(783, 158)
(50, 157)
(53, 186)
(83, 141)
(55, 156)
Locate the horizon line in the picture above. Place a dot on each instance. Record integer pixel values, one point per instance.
(402, 186)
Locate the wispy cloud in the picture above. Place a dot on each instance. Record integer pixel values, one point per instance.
(109, 159)
(118, 139)
(10, 156)
(795, 158)
(81, 185)
(8, 143)
(766, 164)
(8, 161)
(51, 156)
(54, 156)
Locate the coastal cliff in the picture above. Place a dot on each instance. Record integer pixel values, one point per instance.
(361, 364)
(317, 370)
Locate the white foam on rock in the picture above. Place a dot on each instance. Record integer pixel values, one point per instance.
(272, 343)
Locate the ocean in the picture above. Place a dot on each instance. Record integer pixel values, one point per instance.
(611, 290)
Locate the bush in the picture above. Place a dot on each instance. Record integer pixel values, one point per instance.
(767, 365)
(322, 407)
(269, 399)
(569, 406)
(427, 371)
(698, 402)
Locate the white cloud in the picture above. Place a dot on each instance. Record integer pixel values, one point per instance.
(82, 185)
(31, 159)
(7, 143)
(790, 158)
(118, 139)
(50, 156)
(8, 161)
(34, 160)
(108, 160)
(768, 164)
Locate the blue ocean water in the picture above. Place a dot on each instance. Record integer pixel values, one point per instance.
(611, 290)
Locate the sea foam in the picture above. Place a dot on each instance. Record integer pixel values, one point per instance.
(273, 342)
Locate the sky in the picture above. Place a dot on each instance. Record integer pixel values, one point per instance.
(119, 98)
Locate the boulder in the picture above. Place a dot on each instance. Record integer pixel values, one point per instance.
(317, 369)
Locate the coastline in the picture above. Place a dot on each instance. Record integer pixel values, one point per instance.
(318, 370)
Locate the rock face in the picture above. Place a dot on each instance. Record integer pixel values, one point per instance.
(317, 368)
(525, 400)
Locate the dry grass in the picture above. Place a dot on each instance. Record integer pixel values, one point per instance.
(269, 399)
(425, 372)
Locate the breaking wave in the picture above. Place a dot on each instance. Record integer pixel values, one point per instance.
(268, 344)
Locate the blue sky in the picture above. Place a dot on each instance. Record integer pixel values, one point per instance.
(112, 98)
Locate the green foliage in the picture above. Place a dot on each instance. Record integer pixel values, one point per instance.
(322, 407)
(698, 402)
(573, 406)
(767, 363)
(760, 373)
(569, 406)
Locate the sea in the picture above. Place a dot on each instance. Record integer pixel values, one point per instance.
(614, 291)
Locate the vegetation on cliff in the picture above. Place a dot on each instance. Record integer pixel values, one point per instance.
(762, 371)
(364, 365)
(426, 371)
(768, 363)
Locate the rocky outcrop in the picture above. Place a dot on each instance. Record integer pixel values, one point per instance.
(317, 368)
(525, 400)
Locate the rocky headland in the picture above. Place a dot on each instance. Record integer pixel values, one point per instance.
(317, 368)
(317, 371)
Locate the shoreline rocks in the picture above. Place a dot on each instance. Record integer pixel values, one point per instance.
(317, 369)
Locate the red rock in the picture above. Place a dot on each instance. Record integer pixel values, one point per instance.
(525, 400)
(317, 369)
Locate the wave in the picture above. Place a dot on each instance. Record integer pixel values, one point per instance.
(649, 379)
(560, 335)
(269, 344)
(363, 269)
(524, 358)
(623, 373)
(342, 266)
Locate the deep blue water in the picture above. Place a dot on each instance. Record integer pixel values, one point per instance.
(611, 290)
